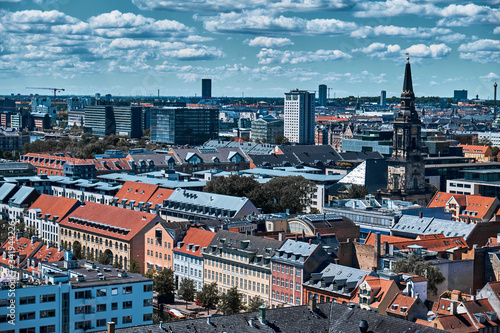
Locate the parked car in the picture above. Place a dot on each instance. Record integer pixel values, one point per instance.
(176, 314)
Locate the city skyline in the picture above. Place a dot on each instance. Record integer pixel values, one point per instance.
(129, 48)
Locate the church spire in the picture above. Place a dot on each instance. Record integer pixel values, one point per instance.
(407, 84)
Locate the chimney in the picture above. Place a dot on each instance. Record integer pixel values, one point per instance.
(281, 236)
(453, 308)
(312, 304)
(296, 237)
(363, 326)
(377, 245)
(262, 314)
(420, 214)
(384, 249)
(111, 327)
(310, 241)
(34, 239)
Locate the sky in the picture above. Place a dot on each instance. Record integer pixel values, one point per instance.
(250, 48)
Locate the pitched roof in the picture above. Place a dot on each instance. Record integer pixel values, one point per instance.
(370, 239)
(135, 191)
(54, 206)
(114, 222)
(415, 225)
(195, 239)
(459, 323)
(440, 199)
(484, 307)
(400, 304)
(160, 195)
(478, 206)
(473, 149)
(19, 248)
(432, 242)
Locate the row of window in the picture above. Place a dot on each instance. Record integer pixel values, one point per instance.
(192, 260)
(156, 254)
(32, 299)
(287, 284)
(97, 240)
(87, 324)
(285, 298)
(236, 268)
(43, 329)
(193, 272)
(241, 283)
(285, 269)
(86, 294)
(152, 241)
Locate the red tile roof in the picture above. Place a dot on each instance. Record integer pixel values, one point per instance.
(401, 304)
(143, 192)
(111, 164)
(370, 239)
(55, 206)
(195, 236)
(160, 195)
(110, 218)
(474, 149)
(481, 306)
(20, 247)
(437, 242)
(477, 204)
(459, 323)
(441, 198)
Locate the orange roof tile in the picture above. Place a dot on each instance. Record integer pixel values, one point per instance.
(195, 236)
(54, 206)
(478, 205)
(473, 149)
(459, 323)
(441, 198)
(401, 304)
(370, 239)
(132, 220)
(160, 195)
(136, 191)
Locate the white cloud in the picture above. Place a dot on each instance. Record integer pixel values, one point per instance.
(271, 56)
(381, 51)
(265, 22)
(217, 6)
(490, 77)
(496, 30)
(482, 51)
(452, 38)
(355, 78)
(117, 24)
(431, 51)
(196, 54)
(391, 30)
(269, 42)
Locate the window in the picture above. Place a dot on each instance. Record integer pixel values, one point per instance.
(47, 298)
(100, 322)
(114, 306)
(114, 291)
(147, 317)
(27, 300)
(82, 294)
(127, 290)
(27, 315)
(25, 330)
(148, 302)
(48, 329)
(127, 319)
(47, 313)
(127, 305)
(297, 272)
(101, 292)
(148, 287)
(100, 307)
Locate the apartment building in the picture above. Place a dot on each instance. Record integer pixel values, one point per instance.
(78, 296)
(188, 258)
(46, 213)
(159, 243)
(234, 259)
(118, 232)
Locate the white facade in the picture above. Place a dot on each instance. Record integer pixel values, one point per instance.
(188, 267)
(494, 137)
(299, 117)
(48, 228)
(80, 195)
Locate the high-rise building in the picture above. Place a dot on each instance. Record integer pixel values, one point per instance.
(184, 126)
(322, 97)
(100, 120)
(299, 117)
(267, 128)
(128, 121)
(383, 98)
(460, 95)
(405, 173)
(206, 88)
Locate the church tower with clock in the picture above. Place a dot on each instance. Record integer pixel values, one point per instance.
(405, 173)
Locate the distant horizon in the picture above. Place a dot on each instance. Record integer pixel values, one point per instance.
(250, 48)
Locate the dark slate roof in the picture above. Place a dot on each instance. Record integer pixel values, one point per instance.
(361, 156)
(329, 317)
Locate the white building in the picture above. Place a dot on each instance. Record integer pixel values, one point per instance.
(78, 297)
(299, 116)
(188, 258)
(494, 137)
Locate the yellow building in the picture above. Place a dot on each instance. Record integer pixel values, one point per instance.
(477, 153)
(234, 259)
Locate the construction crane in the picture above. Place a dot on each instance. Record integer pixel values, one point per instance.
(56, 90)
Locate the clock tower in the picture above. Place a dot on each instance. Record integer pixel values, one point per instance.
(405, 173)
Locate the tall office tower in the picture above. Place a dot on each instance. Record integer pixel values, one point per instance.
(100, 120)
(383, 98)
(206, 88)
(299, 117)
(322, 95)
(460, 95)
(128, 121)
(184, 126)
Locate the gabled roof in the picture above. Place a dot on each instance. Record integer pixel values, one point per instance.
(474, 149)
(370, 239)
(24, 193)
(459, 323)
(432, 242)
(54, 206)
(159, 195)
(136, 191)
(196, 239)
(114, 222)
(20, 248)
(415, 225)
(477, 206)
(440, 199)
(401, 304)
(481, 306)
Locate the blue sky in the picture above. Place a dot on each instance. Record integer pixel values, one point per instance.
(251, 47)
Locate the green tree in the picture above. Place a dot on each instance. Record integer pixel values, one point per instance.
(187, 290)
(209, 296)
(4, 231)
(281, 140)
(230, 302)
(418, 266)
(134, 266)
(77, 250)
(291, 193)
(235, 185)
(117, 264)
(163, 282)
(149, 273)
(254, 303)
(89, 256)
(354, 192)
(103, 258)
